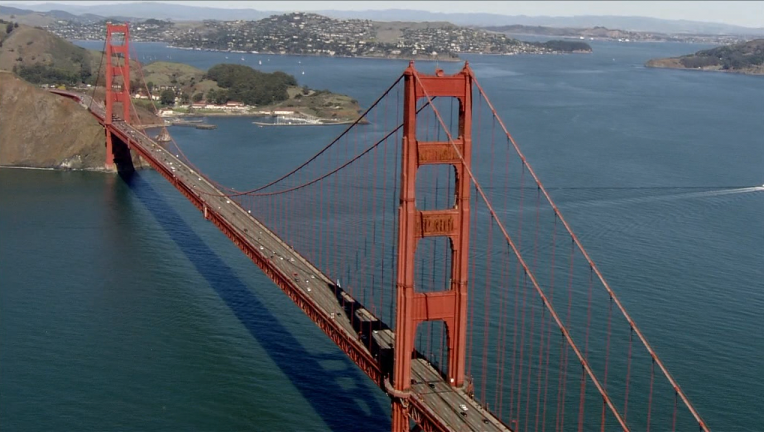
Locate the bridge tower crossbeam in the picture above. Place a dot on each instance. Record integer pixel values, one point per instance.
(449, 306)
(121, 54)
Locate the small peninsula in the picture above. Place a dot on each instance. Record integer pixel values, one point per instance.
(744, 58)
(239, 90)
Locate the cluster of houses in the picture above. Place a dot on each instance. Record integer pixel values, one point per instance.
(143, 96)
(228, 106)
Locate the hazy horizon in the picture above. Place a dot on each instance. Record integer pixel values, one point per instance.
(741, 13)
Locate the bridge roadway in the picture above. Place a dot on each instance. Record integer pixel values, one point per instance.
(434, 404)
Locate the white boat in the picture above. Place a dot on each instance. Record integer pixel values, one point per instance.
(259, 62)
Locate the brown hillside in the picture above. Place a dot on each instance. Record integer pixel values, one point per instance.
(42, 130)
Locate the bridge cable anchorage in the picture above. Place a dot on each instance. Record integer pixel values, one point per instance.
(596, 270)
(529, 273)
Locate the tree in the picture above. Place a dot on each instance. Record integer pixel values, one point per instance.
(150, 85)
(184, 98)
(211, 95)
(167, 97)
(9, 28)
(16, 25)
(244, 84)
(197, 97)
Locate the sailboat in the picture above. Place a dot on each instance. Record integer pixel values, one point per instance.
(259, 62)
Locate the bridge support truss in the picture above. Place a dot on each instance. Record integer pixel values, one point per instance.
(117, 65)
(449, 306)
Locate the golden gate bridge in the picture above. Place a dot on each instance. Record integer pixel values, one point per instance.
(449, 276)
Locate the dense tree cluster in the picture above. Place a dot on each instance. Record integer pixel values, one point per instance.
(167, 97)
(243, 84)
(564, 46)
(46, 74)
(699, 61)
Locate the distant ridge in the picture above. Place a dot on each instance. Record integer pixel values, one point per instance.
(195, 13)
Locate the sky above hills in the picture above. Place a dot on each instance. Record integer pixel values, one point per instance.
(742, 13)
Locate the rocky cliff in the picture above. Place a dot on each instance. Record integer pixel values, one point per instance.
(42, 130)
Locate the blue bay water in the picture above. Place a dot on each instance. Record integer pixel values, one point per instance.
(122, 309)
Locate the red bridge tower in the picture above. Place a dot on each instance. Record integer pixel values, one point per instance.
(449, 306)
(117, 65)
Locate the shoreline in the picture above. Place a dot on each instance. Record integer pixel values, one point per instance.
(428, 58)
(734, 72)
(150, 126)
(261, 124)
(99, 170)
(223, 114)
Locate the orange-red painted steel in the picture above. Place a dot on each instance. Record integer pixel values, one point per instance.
(417, 410)
(449, 306)
(413, 305)
(122, 69)
(701, 423)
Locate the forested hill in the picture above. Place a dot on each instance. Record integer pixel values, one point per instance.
(244, 84)
(564, 46)
(747, 58)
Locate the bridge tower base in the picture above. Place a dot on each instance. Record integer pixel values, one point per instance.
(117, 65)
(449, 306)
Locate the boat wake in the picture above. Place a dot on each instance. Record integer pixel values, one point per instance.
(669, 197)
(590, 201)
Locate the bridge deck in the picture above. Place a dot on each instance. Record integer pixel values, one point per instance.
(450, 406)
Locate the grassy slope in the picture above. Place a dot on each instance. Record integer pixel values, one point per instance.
(187, 77)
(36, 46)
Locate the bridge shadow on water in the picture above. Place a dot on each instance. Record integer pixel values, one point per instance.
(341, 409)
